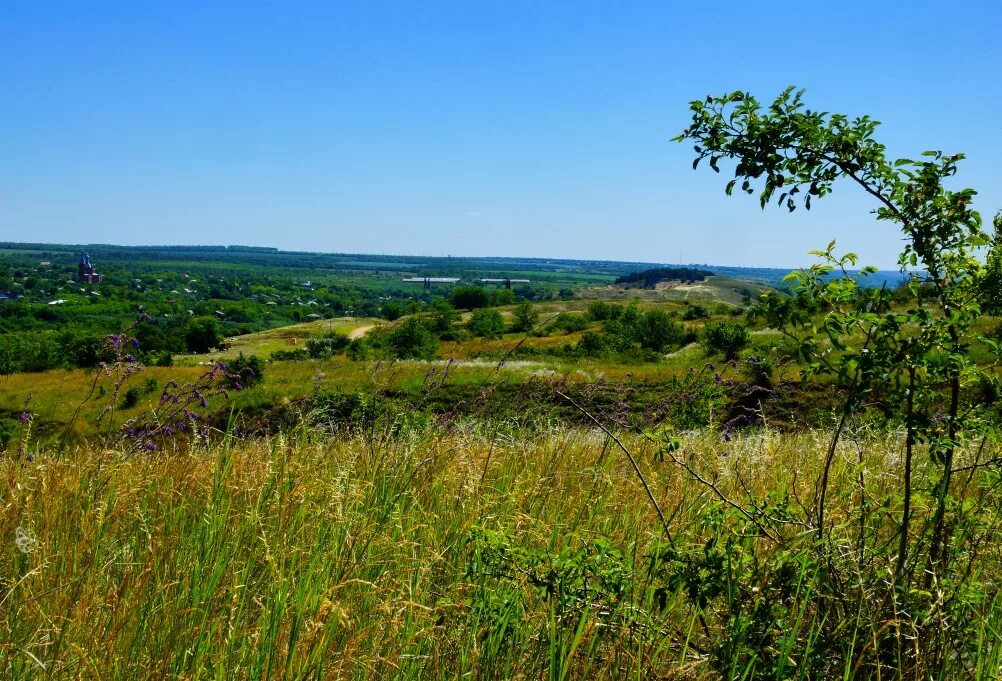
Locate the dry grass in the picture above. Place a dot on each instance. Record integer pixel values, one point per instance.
(311, 556)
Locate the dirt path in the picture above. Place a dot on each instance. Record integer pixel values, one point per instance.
(360, 331)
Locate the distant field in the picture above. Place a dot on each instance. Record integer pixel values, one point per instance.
(263, 343)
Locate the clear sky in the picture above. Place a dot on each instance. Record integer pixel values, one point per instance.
(509, 128)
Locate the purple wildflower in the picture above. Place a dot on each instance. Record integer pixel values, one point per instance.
(24, 416)
(151, 446)
(135, 342)
(238, 387)
(116, 341)
(168, 430)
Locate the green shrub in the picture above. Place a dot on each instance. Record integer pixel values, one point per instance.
(760, 370)
(470, 298)
(245, 371)
(131, 397)
(695, 311)
(656, 330)
(442, 318)
(569, 322)
(202, 334)
(326, 346)
(600, 310)
(486, 323)
(727, 338)
(359, 350)
(392, 310)
(296, 354)
(502, 296)
(337, 410)
(525, 317)
(412, 340)
(593, 344)
(8, 428)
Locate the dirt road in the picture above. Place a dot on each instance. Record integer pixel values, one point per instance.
(360, 331)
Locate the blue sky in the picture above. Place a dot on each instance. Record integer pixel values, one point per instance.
(508, 128)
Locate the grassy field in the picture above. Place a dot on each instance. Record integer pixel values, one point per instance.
(290, 337)
(464, 552)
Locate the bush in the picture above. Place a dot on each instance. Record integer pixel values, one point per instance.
(326, 346)
(163, 359)
(656, 330)
(412, 340)
(486, 323)
(727, 338)
(202, 334)
(392, 310)
(359, 350)
(336, 410)
(131, 397)
(600, 310)
(693, 312)
(593, 344)
(760, 370)
(569, 322)
(245, 371)
(470, 298)
(294, 355)
(502, 296)
(8, 427)
(525, 317)
(83, 350)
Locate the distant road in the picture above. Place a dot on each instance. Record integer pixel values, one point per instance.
(360, 331)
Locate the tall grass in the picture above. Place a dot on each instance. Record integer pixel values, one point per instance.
(479, 551)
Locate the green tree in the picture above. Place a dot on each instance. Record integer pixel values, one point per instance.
(656, 330)
(486, 323)
(727, 338)
(443, 317)
(202, 334)
(392, 310)
(470, 298)
(525, 317)
(915, 356)
(413, 340)
(502, 296)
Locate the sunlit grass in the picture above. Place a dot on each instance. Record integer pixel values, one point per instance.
(310, 556)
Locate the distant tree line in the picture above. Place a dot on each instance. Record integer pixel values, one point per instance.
(648, 278)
